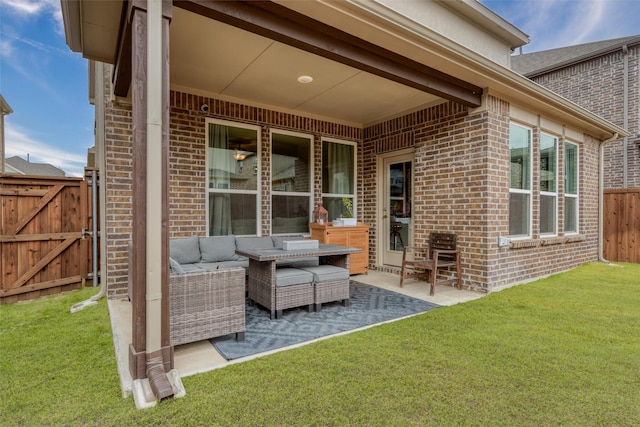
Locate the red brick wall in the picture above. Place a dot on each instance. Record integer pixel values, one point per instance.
(461, 184)
(187, 178)
(118, 185)
(597, 85)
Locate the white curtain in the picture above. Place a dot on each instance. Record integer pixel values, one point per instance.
(221, 165)
(337, 177)
(340, 167)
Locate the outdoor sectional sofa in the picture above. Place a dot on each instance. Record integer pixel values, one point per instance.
(300, 281)
(203, 304)
(208, 285)
(191, 254)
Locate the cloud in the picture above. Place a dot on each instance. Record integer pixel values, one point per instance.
(18, 142)
(30, 58)
(22, 7)
(33, 8)
(6, 49)
(558, 23)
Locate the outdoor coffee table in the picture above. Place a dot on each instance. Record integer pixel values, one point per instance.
(262, 274)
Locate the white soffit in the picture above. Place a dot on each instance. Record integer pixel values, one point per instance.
(100, 25)
(216, 58)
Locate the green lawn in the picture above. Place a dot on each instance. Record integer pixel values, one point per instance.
(560, 351)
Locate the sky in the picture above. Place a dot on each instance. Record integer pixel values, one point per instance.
(46, 84)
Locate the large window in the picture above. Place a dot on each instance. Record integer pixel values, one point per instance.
(570, 188)
(291, 182)
(548, 184)
(338, 179)
(232, 179)
(520, 181)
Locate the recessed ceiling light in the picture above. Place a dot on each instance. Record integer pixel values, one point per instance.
(305, 79)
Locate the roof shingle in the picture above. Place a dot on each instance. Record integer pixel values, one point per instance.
(30, 168)
(531, 64)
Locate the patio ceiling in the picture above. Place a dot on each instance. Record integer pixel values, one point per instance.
(254, 52)
(217, 58)
(219, 49)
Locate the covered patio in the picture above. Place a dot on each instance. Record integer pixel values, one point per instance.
(202, 356)
(418, 94)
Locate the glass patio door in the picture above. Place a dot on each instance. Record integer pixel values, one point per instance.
(397, 224)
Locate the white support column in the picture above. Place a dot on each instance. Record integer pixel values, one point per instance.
(154, 175)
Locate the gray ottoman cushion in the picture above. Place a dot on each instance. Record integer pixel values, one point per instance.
(327, 273)
(292, 276)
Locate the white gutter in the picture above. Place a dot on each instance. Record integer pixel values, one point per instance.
(155, 370)
(625, 115)
(409, 38)
(99, 152)
(72, 28)
(601, 199)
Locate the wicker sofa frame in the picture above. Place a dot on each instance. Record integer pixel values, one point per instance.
(207, 304)
(204, 304)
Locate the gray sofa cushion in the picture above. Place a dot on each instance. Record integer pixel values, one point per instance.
(292, 276)
(190, 268)
(218, 248)
(175, 267)
(208, 266)
(212, 266)
(185, 250)
(254, 243)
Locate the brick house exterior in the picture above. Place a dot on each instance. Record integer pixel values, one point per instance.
(594, 76)
(460, 153)
(461, 164)
(425, 83)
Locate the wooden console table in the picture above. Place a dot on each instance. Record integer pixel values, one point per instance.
(355, 237)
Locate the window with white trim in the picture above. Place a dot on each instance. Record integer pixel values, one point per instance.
(339, 178)
(571, 188)
(548, 184)
(520, 181)
(291, 182)
(232, 165)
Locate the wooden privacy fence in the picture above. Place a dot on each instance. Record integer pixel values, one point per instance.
(43, 245)
(622, 225)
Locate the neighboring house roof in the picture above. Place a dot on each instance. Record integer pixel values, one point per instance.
(11, 170)
(23, 167)
(532, 64)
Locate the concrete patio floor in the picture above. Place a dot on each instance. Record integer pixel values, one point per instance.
(202, 356)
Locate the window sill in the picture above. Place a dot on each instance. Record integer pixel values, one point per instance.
(547, 241)
(574, 238)
(520, 244)
(554, 240)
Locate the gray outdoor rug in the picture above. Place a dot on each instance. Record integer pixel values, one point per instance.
(368, 305)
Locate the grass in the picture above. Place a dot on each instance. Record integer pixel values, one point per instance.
(560, 351)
